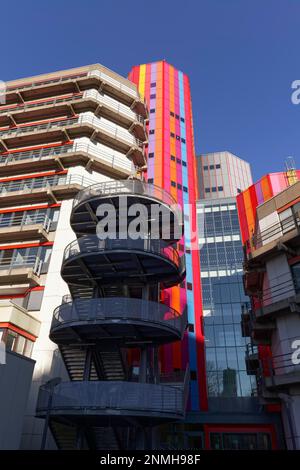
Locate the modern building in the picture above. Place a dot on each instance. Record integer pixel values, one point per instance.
(269, 217)
(235, 418)
(172, 166)
(59, 133)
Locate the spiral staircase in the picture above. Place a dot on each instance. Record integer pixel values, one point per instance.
(115, 307)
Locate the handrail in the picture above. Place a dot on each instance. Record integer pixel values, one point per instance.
(89, 74)
(103, 395)
(112, 188)
(279, 364)
(24, 261)
(87, 117)
(92, 244)
(114, 129)
(122, 308)
(275, 231)
(37, 154)
(31, 184)
(113, 157)
(47, 125)
(33, 104)
(91, 93)
(27, 219)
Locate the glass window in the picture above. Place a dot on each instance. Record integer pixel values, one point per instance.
(296, 275)
(216, 441)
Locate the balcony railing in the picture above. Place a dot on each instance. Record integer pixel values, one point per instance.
(280, 288)
(31, 184)
(115, 188)
(274, 232)
(85, 118)
(281, 364)
(49, 81)
(37, 154)
(113, 104)
(125, 397)
(90, 74)
(92, 244)
(40, 103)
(115, 131)
(15, 262)
(24, 129)
(94, 94)
(26, 219)
(118, 308)
(112, 157)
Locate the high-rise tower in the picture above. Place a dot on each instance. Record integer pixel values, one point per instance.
(172, 166)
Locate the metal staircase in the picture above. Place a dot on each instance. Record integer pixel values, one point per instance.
(114, 307)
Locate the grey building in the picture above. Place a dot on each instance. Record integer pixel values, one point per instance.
(242, 422)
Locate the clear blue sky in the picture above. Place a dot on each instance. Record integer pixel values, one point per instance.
(241, 56)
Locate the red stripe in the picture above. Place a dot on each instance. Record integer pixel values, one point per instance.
(34, 175)
(24, 245)
(37, 147)
(29, 208)
(18, 330)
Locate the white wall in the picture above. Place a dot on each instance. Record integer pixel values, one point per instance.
(48, 362)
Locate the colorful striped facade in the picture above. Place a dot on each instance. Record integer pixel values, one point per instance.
(172, 166)
(258, 193)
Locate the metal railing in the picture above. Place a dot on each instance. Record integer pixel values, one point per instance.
(113, 104)
(118, 308)
(116, 84)
(85, 118)
(280, 288)
(116, 131)
(116, 188)
(129, 397)
(92, 244)
(15, 262)
(37, 154)
(45, 82)
(24, 129)
(275, 231)
(40, 103)
(90, 74)
(112, 157)
(31, 184)
(94, 94)
(280, 364)
(27, 219)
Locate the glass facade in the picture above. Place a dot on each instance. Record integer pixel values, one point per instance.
(221, 257)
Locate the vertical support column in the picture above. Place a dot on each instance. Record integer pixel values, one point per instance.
(87, 365)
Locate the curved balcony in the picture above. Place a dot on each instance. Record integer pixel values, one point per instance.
(122, 195)
(114, 403)
(126, 321)
(89, 261)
